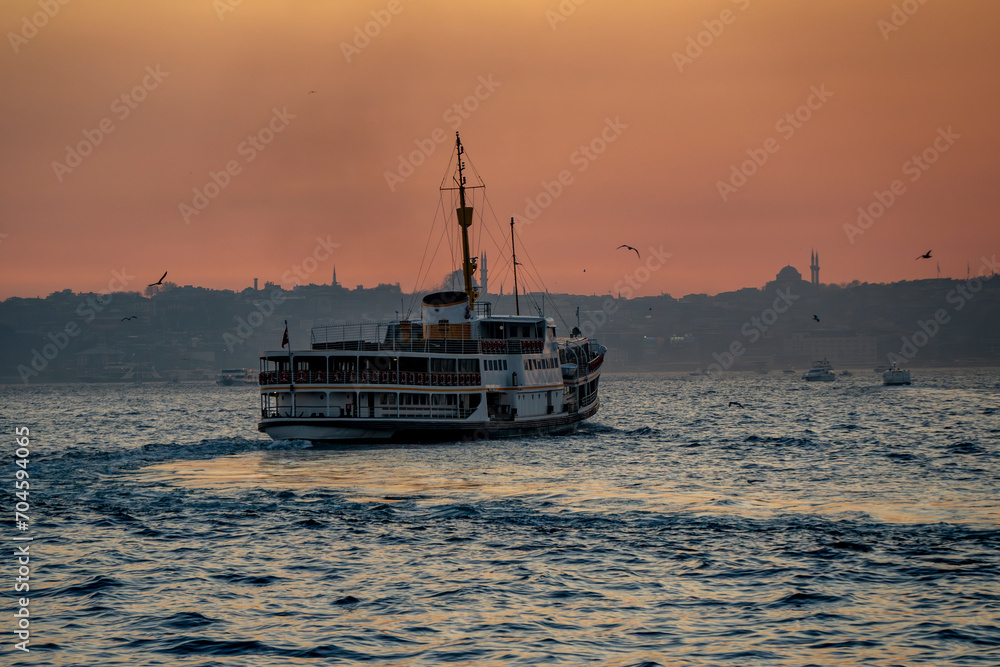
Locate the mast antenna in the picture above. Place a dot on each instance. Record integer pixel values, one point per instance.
(513, 257)
(465, 221)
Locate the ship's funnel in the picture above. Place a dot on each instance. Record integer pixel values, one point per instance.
(452, 307)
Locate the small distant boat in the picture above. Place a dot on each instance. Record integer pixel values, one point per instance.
(789, 370)
(821, 371)
(894, 376)
(231, 376)
(846, 374)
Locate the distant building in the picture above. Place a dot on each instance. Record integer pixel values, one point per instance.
(814, 268)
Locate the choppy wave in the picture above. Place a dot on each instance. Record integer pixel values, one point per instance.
(840, 525)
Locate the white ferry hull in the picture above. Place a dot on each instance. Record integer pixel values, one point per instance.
(352, 430)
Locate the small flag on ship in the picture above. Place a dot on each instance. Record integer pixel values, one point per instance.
(284, 336)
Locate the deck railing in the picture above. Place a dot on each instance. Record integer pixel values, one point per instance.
(371, 377)
(385, 337)
(404, 412)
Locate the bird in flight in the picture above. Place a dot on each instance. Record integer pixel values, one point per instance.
(926, 255)
(126, 319)
(736, 403)
(158, 282)
(625, 245)
(816, 317)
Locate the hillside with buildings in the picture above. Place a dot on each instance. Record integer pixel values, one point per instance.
(188, 333)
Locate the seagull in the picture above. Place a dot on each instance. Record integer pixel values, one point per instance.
(816, 317)
(158, 282)
(312, 92)
(126, 319)
(624, 245)
(736, 403)
(926, 255)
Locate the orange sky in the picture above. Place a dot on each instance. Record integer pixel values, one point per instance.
(208, 79)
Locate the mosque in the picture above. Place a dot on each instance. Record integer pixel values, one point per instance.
(837, 344)
(790, 276)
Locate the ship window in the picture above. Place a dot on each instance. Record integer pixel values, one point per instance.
(413, 364)
(443, 365)
(503, 362)
(376, 363)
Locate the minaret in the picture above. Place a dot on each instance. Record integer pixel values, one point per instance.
(814, 267)
(334, 283)
(483, 287)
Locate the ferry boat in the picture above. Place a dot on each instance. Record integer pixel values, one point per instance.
(895, 376)
(458, 372)
(821, 371)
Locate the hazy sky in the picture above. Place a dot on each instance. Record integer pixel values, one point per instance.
(736, 135)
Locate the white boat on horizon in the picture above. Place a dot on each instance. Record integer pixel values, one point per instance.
(457, 372)
(821, 371)
(894, 376)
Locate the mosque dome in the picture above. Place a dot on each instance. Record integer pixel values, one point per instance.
(788, 274)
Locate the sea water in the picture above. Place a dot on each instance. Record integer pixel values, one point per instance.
(821, 524)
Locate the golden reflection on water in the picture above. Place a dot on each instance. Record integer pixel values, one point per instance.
(433, 477)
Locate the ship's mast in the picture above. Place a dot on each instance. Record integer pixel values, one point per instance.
(465, 221)
(513, 257)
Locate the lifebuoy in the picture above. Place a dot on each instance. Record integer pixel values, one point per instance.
(354, 376)
(337, 376)
(392, 377)
(301, 376)
(320, 376)
(479, 379)
(261, 378)
(283, 377)
(385, 376)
